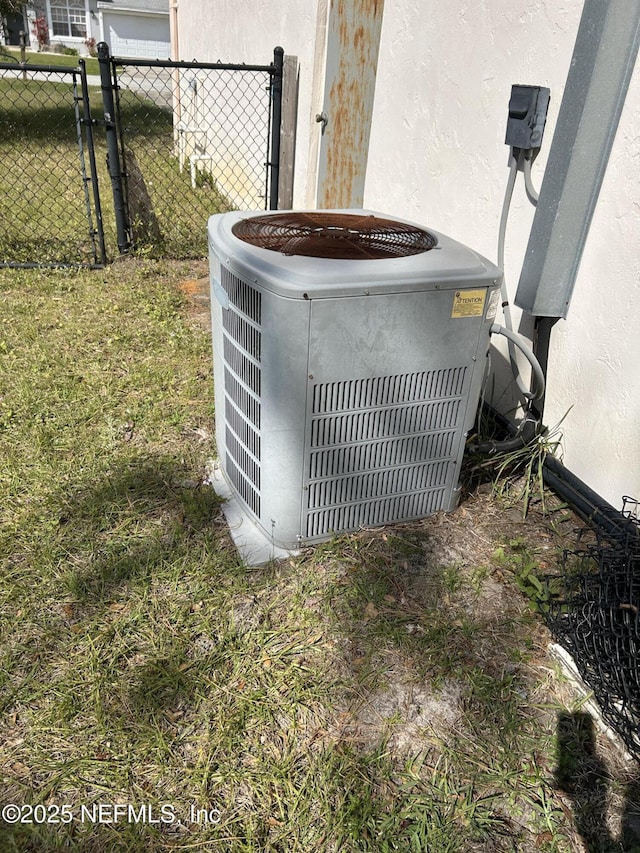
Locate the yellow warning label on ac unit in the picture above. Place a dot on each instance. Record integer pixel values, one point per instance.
(468, 303)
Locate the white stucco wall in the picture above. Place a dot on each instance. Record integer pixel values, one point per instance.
(437, 156)
(596, 351)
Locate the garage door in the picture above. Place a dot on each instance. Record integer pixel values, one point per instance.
(141, 36)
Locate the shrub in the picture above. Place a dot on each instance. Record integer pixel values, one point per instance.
(41, 31)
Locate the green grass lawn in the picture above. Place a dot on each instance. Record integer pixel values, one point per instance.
(57, 59)
(42, 206)
(43, 211)
(381, 692)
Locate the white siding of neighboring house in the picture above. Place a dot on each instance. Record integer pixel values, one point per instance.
(248, 32)
(128, 32)
(437, 156)
(41, 7)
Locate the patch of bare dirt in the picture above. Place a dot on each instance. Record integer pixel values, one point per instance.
(195, 288)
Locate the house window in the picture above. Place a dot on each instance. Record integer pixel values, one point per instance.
(68, 18)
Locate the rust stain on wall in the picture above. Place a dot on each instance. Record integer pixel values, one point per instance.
(352, 57)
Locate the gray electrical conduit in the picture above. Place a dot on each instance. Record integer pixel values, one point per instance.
(528, 183)
(527, 352)
(529, 426)
(506, 309)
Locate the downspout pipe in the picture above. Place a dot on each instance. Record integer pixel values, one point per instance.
(541, 347)
(602, 63)
(601, 66)
(173, 30)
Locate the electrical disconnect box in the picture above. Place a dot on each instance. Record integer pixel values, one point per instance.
(528, 107)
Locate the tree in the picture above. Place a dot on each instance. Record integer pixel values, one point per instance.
(8, 7)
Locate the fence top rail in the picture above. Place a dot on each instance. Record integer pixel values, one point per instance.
(45, 69)
(168, 63)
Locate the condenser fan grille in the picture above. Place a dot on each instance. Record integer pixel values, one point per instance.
(343, 236)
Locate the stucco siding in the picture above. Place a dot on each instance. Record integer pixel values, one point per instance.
(437, 156)
(443, 86)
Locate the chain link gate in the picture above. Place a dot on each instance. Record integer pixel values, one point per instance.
(177, 141)
(50, 212)
(185, 140)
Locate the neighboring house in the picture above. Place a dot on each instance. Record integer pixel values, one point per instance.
(137, 28)
(437, 156)
(131, 28)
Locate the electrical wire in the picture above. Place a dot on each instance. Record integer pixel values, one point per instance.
(506, 204)
(502, 230)
(525, 434)
(528, 183)
(517, 158)
(528, 353)
(531, 422)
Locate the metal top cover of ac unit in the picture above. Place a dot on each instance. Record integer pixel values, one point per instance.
(444, 263)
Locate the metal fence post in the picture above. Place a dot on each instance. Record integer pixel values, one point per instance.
(113, 154)
(88, 124)
(23, 51)
(276, 119)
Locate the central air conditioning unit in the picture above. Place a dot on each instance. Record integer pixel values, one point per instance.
(349, 352)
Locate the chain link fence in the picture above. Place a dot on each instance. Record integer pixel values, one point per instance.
(194, 141)
(49, 213)
(592, 607)
(138, 157)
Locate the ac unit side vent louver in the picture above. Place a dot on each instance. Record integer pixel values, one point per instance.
(244, 460)
(242, 343)
(244, 431)
(243, 333)
(387, 390)
(382, 423)
(245, 489)
(369, 456)
(385, 443)
(242, 365)
(383, 511)
(244, 399)
(245, 298)
(362, 487)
